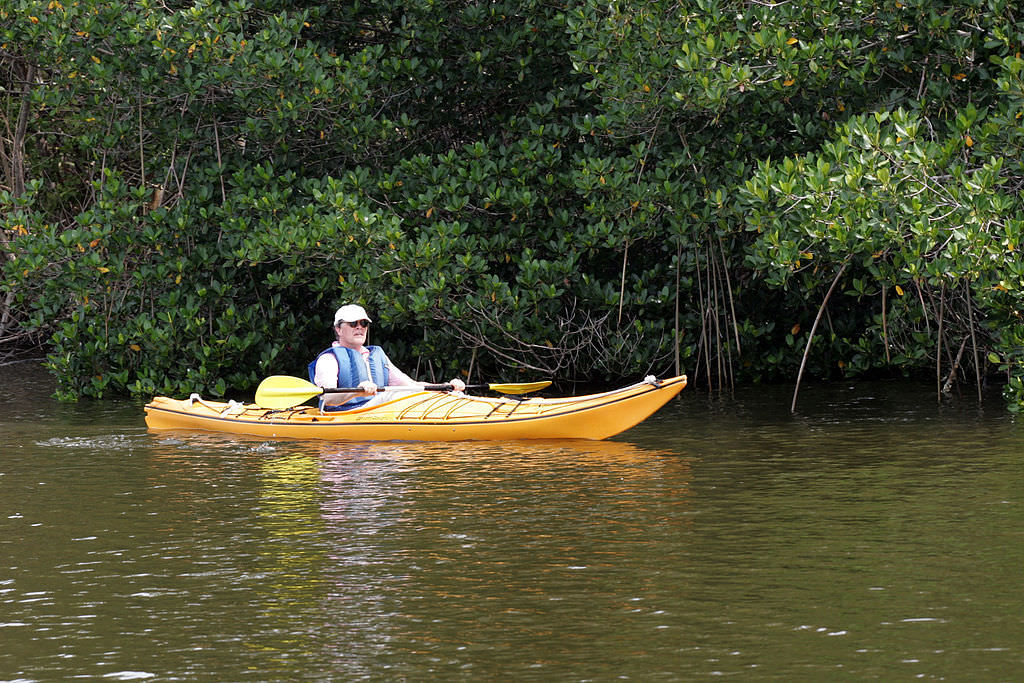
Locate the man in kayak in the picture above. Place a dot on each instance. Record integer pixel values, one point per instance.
(350, 363)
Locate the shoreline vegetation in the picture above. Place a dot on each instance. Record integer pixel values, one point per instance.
(582, 192)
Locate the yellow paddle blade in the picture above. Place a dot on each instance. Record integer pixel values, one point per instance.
(519, 387)
(281, 391)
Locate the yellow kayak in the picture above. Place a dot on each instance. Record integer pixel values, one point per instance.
(429, 416)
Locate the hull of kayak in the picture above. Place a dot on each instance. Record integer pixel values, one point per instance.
(429, 416)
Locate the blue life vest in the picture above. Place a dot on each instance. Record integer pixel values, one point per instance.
(352, 371)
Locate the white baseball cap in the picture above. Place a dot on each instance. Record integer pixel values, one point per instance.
(350, 313)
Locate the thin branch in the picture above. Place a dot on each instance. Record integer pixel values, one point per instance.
(810, 337)
(955, 367)
(974, 341)
(885, 328)
(938, 347)
(679, 267)
(732, 306)
(622, 281)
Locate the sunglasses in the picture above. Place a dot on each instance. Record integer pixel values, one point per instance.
(358, 323)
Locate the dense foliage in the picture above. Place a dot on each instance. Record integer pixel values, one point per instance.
(591, 191)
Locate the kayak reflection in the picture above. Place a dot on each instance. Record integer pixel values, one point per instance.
(373, 544)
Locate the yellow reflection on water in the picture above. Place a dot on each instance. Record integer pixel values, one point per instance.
(365, 546)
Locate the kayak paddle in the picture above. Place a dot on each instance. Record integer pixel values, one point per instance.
(279, 392)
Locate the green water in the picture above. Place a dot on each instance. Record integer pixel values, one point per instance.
(875, 535)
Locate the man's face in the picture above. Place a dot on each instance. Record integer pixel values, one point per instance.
(353, 335)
